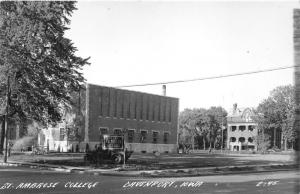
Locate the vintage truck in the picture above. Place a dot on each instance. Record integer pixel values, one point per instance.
(110, 149)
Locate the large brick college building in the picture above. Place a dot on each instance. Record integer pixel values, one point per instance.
(150, 121)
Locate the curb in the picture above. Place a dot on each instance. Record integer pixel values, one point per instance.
(206, 171)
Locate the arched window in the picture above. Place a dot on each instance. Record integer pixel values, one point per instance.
(232, 139)
(250, 139)
(242, 127)
(250, 127)
(233, 128)
(242, 139)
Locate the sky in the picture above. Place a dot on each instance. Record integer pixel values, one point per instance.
(141, 42)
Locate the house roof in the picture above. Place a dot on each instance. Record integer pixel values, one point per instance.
(240, 115)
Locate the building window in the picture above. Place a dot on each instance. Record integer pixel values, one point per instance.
(61, 134)
(250, 139)
(147, 109)
(135, 107)
(155, 136)
(250, 127)
(166, 137)
(117, 131)
(170, 112)
(115, 103)
(130, 136)
(233, 128)
(232, 139)
(242, 139)
(143, 136)
(103, 131)
(242, 128)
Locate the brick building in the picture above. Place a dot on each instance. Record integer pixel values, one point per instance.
(241, 129)
(150, 121)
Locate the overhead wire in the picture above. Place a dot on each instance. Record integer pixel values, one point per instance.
(208, 78)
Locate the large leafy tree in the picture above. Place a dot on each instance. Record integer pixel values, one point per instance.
(276, 115)
(216, 120)
(187, 125)
(205, 125)
(37, 60)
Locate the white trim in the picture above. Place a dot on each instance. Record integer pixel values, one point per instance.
(144, 130)
(107, 128)
(132, 129)
(114, 129)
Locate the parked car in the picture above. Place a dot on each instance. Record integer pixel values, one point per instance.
(111, 148)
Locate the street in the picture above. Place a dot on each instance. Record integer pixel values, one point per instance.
(26, 180)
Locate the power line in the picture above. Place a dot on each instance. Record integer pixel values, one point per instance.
(207, 78)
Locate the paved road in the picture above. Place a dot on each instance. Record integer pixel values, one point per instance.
(25, 180)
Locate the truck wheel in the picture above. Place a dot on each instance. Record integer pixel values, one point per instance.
(117, 159)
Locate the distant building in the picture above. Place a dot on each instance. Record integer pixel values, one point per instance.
(149, 122)
(241, 129)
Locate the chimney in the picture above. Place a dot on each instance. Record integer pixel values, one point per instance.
(234, 108)
(164, 90)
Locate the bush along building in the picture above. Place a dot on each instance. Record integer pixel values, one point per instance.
(148, 122)
(241, 129)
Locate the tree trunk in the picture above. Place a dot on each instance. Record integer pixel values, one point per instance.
(2, 135)
(193, 142)
(214, 144)
(204, 146)
(285, 144)
(274, 144)
(282, 144)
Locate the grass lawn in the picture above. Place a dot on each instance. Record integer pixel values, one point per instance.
(164, 161)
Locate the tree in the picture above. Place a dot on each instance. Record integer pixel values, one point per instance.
(37, 60)
(262, 141)
(216, 121)
(74, 116)
(276, 115)
(187, 124)
(202, 124)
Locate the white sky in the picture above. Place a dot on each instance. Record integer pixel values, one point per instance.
(144, 42)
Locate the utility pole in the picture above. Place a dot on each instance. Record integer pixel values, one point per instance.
(222, 132)
(222, 127)
(6, 119)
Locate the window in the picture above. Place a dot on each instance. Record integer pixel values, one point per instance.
(242, 128)
(103, 131)
(166, 137)
(61, 134)
(143, 136)
(250, 127)
(155, 136)
(233, 128)
(242, 139)
(232, 139)
(117, 132)
(250, 139)
(130, 136)
(170, 113)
